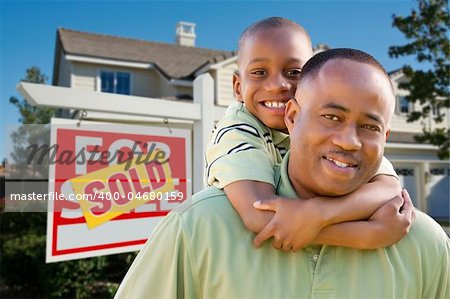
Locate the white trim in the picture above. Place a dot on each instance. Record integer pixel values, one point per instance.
(72, 98)
(203, 93)
(408, 128)
(106, 61)
(216, 85)
(397, 160)
(131, 83)
(220, 64)
(98, 81)
(114, 117)
(411, 146)
(178, 82)
(215, 66)
(72, 73)
(397, 75)
(184, 23)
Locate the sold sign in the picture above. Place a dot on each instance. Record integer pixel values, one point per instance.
(117, 182)
(113, 191)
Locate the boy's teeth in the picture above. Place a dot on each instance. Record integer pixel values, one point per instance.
(275, 104)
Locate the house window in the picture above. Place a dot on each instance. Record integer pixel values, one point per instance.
(115, 82)
(405, 171)
(436, 109)
(404, 105)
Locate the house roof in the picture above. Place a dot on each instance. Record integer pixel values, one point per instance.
(174, 61)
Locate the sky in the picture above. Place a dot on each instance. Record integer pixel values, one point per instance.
(28, 29)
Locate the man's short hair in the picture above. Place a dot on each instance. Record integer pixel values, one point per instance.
(268, 23)
(315, 63)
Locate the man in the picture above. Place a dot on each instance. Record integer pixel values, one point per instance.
(338, 128)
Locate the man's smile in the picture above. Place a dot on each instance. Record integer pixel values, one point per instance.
(341, 163)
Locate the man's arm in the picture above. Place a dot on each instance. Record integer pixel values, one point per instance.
(163, 267)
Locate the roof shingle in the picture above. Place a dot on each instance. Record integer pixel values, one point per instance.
(174, 61)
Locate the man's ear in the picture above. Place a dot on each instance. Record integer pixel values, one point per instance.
(237, 86)
(291, 114)
(387, 133)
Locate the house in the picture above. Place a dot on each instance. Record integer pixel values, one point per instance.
(134, 67)
(141, 68)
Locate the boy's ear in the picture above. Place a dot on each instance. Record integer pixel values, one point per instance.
(291, 114)
(237, 86)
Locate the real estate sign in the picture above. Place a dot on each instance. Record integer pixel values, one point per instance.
(110, 184)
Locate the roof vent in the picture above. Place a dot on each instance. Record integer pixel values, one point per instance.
(185, 34)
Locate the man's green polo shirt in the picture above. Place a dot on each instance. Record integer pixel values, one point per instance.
(202, 250)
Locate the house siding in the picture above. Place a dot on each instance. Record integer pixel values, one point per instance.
(64, 72)
(84, 76)
(166, 89)
(399, 122)
(145, 83)
(224, 84)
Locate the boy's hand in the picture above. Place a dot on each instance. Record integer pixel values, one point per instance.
(392, 221)
(295, 223)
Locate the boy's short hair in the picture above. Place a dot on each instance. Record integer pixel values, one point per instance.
(268, 23)
(315, 63)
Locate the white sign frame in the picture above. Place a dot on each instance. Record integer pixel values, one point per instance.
(110, 231)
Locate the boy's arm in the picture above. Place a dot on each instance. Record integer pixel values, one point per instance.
(361, 203)
(287, 226)
(240, 161)
(242, 195)
(396, 216)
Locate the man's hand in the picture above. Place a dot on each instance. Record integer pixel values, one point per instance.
(392, 221)
(295, 223)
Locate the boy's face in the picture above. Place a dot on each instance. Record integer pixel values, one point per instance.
(338, 128)
(270, 62)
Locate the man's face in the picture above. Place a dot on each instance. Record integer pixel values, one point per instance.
(338, 128)
(270, 62)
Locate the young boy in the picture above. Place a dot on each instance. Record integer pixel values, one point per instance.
(251, 138)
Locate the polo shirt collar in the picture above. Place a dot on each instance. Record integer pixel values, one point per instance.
(283, 183)
(279, 137)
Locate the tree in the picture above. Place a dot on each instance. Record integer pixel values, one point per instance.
(427, 30)
(32, 114)
(33, 131)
